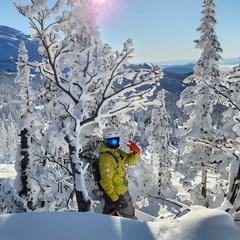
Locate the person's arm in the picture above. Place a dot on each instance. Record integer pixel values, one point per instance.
(131, 158)
(106, 166)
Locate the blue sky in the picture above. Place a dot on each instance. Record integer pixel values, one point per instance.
(162, 30)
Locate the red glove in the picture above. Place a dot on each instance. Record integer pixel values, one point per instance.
(133, 147)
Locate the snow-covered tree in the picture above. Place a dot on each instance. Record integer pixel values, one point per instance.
(23, 184)
(12, 139)
(10, 201)
(143, 119)
(162, 156)
(86, 80)
(198, 102)
(227, 143)
(3, 140)
(28, 184)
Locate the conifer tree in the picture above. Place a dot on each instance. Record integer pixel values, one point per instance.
(3, 132)
(198, 102)
(22, 163)
(27, 164)
(162, 156)
(227, 143)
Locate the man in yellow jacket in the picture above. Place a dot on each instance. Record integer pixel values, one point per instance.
(112, 170)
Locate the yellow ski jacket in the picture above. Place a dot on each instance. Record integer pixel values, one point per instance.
(113, 173)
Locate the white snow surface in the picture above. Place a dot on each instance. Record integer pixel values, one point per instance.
(198, 224)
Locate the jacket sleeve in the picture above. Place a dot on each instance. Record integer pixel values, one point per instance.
(106, 166)
(129, 158)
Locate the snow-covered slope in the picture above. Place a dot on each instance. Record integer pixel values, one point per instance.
(9, 43)
(199, 224)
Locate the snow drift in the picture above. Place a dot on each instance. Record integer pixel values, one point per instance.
(199, 224)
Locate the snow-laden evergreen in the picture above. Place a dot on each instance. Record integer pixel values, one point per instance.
(161, 152)
(9, 114)
(198, 101)
(227, 143)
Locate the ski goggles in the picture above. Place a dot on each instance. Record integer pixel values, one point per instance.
(113, 141)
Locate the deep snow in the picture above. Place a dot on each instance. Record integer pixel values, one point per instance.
(198, 224)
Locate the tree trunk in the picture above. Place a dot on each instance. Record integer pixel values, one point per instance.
(83, 204)
(235, 187)
(204, 184)
(25, 192)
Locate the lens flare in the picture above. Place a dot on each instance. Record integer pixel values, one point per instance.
(99, 2)
(107, 8)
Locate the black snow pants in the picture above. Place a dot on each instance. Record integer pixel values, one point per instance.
(128, 212)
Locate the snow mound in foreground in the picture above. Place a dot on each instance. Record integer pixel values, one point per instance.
(207, 224)
(200, 223)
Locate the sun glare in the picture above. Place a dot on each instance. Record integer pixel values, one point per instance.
(107, 8)
(101, 1)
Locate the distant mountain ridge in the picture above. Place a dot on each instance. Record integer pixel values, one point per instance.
(182, 69)
(10, 39)
(9, 42)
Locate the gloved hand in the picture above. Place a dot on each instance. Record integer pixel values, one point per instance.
(112, 211)
(133, 147)
(120, 203)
